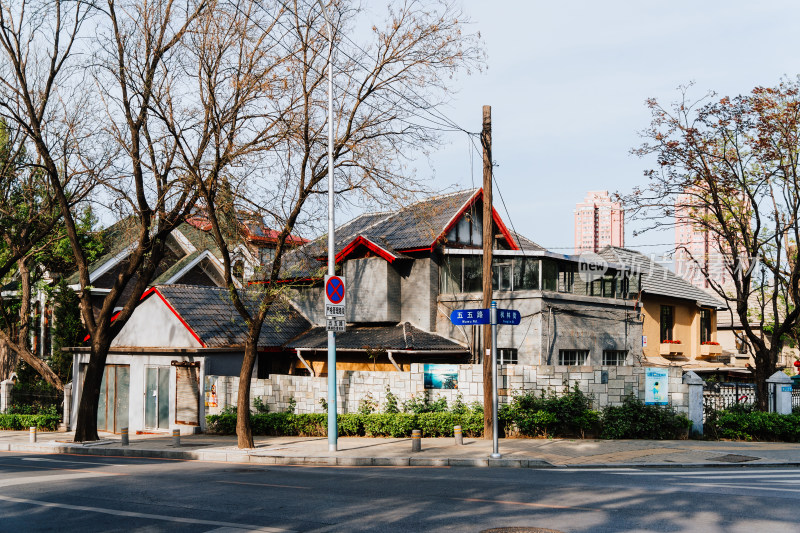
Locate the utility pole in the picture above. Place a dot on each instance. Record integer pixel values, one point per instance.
(488, 244)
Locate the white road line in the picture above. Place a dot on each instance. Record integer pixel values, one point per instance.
(690, 473)
(148, 516)
(27, 480)
(765, 476)
(729, 486)
(73, 462)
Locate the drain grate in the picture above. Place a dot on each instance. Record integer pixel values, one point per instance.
(733, 458)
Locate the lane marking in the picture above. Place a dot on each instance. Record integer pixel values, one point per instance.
(729, 486)
(529, 504)
(27, 480)
(262, 485)
(148, 516)
(73, 462)
(766, 472)
(12, 465)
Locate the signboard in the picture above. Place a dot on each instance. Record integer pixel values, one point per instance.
(440, 376)
(211, 391)
(334, 296)
(469, 317)
(337, 325)
(656, 386)
(644, 341)
(787, 388)
(510, 317)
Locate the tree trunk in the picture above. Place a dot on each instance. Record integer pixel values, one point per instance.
(765, 367)
(86, 423)
(20, 351)
(244, 430)
(8, 359)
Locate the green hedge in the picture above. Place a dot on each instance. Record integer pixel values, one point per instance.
(16, 421)
(551, 415)
(741, 424)
(635, 420)
(353, 424)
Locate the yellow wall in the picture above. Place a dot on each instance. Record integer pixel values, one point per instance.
(686, 328)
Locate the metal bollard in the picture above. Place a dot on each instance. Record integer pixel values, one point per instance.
(458, 435)
(416, 440)
(176, 437)
(124, 436)
(33, 434)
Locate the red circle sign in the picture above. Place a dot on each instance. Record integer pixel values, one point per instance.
(335, 289)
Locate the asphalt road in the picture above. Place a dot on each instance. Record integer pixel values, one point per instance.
(88, 494)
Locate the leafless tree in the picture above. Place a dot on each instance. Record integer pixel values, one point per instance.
(732, 166)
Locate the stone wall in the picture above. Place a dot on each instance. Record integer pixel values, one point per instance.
(607, 385)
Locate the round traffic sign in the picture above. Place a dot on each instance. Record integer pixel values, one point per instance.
(335, 289)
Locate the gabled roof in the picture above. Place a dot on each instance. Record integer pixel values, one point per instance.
(403, 336)
(391, 234)
(657, 279)
(209, 313)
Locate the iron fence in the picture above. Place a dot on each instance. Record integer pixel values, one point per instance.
(33, 401)
(795, 398)
(719, 396)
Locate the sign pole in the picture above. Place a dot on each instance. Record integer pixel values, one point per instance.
(495, 427)
(333, 430)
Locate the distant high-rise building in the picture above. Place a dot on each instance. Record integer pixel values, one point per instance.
(698, 256)
(599, 222)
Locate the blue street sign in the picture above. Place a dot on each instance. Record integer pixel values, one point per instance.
(509, 317)
(469, 317)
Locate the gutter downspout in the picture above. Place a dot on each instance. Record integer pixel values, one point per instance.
(394, 363)
(305, 364)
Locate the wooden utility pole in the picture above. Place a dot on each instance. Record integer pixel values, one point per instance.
(488, 242)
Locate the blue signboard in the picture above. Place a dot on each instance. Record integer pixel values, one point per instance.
(656, 386)
(469, 317)
(509, 317)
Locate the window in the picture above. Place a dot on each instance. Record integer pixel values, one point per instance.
(506, 356)
(667, 322)
(572, 357)
(473, 274)
(705, 325)
(501, 275)
(526, 274)
(549, 275)
(614, 357)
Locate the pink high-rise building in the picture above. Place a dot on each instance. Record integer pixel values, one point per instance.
(599, 222)
(698, 256)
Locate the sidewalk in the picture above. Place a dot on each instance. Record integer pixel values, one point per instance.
(360, 451)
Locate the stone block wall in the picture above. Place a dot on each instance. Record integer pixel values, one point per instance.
(608, 385)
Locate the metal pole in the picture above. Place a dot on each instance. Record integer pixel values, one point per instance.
(333, 430)
(495, 428)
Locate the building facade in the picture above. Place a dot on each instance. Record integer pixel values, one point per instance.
(599, 222)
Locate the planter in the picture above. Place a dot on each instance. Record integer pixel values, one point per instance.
(668, 348)
(710, 349)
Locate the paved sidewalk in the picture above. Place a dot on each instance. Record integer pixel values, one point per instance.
(355, 451)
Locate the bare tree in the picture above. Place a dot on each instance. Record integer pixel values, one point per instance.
(84, 95)
(732, 165)
(382, 94)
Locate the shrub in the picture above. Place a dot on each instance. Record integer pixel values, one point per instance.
(740, 424)
(635, 420)
(21, 422)
(391, 402)
(549, 414)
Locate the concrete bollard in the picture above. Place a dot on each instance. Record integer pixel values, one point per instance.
(33, 434)
(458, 435)
(176, 437)
(416, 440)
(124, 436)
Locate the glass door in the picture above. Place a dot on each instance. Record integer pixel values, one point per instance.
(156, 405)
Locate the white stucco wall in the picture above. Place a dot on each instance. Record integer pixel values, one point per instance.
(154, 324)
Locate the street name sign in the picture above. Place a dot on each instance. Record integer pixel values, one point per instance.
(509, 317)
(469, 317)
(334, 297)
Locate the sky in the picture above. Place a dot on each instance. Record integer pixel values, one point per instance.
(567, 82)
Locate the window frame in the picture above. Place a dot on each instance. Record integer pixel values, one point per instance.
(666, 323)
(581, 357)
(616, 354)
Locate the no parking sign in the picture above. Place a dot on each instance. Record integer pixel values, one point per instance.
(335, 291)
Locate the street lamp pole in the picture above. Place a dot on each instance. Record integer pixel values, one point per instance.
(333, 429)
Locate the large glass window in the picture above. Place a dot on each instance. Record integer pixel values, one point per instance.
(526, 274)
(573, 357)
(667, 322)
(705, 325)
(473, 274)
(450, 277)
(501, 274)
(549, 275)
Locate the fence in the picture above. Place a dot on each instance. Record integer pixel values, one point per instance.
(33, 401)
(719, 396)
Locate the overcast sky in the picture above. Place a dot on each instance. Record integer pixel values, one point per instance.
(567, 82)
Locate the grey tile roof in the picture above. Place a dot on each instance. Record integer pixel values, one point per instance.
(211, 314)
(403, 336)
(657, 279)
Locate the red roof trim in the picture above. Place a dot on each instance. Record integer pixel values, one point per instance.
(147, 293)
(495, 216)
(426, 249)
(361, 240)
(289, 280)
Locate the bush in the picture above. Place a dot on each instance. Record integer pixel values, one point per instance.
(549, 414)
(635, 420)
(22, 422)
(740, 424)
(353, 424)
